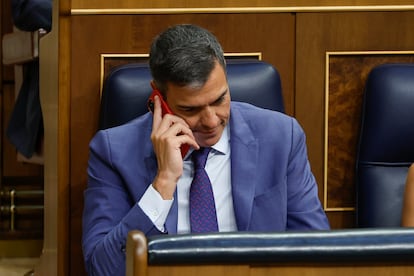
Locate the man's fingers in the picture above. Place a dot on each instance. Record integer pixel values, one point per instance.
(157, 113)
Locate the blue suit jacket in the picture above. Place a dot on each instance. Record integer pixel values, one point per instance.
(272, 184)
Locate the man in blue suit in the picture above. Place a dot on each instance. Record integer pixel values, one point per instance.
(138, 179)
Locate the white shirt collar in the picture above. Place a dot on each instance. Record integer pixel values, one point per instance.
(222, 146)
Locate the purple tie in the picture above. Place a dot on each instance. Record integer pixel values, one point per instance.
(203, 216)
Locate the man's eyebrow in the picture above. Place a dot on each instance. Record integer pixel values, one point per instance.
(221, 96)
(213, 102)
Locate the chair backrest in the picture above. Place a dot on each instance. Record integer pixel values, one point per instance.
(127, 88)
(386, 145)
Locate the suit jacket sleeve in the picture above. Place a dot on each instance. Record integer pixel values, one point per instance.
(303, 205)
(110, 206)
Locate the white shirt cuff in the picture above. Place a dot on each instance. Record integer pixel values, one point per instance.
(155, 207)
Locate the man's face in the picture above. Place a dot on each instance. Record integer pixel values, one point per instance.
(206, 110)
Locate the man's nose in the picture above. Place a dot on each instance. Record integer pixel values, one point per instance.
(208, 117)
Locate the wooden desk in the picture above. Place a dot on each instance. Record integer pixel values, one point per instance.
(341, 253)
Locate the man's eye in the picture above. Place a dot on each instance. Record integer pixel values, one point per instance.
(187, 109)
(219, 101)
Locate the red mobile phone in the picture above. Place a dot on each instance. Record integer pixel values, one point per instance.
(165, 109)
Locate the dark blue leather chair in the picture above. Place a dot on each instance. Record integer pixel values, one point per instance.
(127, 88)
(386, 145)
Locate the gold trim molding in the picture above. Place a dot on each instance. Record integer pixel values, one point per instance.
(243, 10)
(326, 113)
(104, 56)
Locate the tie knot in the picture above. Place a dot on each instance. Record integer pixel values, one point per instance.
(200, 157)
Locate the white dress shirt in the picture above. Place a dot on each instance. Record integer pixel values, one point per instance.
(218, 169)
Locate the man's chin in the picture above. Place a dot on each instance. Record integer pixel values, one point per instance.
(207, 141)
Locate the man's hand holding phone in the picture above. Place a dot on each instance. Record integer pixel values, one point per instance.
(170, 134)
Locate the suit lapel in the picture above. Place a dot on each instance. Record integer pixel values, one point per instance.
(244, 161)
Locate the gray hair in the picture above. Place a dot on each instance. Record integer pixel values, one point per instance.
(184, 55)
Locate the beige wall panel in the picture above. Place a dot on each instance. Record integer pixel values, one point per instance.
(318, 33)
(92, 36)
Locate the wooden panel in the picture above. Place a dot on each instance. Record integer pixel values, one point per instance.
(108, 4)
(347, 76)
(336, 269)
(318, 33)
(204, 270)
(341, 219)
(54, 96)
(93, 36)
